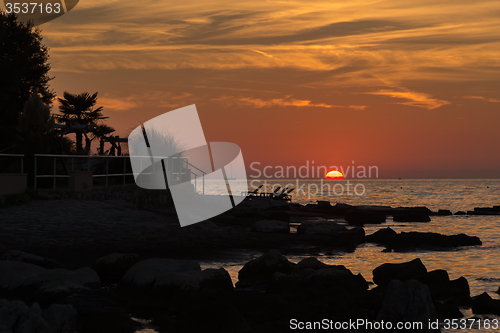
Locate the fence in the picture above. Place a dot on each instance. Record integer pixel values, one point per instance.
(5, 162)
(100, 168)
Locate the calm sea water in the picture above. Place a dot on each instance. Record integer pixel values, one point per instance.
(478, 264)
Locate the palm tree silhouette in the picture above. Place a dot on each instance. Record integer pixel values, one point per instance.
(79, 109)
(100, 132)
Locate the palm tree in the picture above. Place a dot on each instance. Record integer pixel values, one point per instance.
(79, 109)
(100, 132)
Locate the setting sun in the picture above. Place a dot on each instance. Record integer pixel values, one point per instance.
(334, 174)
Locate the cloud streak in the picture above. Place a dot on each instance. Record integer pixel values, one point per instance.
(413, 98)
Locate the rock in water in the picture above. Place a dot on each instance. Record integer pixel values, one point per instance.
(261, 270)
(364, 216)
(412, 217)
(381, 236)
(484, 304)
(271, 226)
(384, 273)
(408, 302)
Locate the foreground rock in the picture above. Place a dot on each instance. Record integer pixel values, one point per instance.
(408, 302)
(27, 281)
(113, 267)
(162, 282)
(271, 226)
(16, 255)
(484, 304)
(385, 273)
(16, 316)
(446, 294)
(261, 270)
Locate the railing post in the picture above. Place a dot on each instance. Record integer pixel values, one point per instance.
(22, 164)
(35, 172)
(107, 171)
(54, 173)
(124, 170)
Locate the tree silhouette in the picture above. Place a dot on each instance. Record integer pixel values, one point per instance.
(23, 69)
(79, 109)
(100, 132)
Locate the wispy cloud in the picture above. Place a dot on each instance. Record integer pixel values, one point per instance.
(289, 101)
(481, 98)
(413, 98)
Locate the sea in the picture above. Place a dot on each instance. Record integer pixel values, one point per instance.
(479, 264)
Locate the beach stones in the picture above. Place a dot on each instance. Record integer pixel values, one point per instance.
(384, 273)
(271, 226)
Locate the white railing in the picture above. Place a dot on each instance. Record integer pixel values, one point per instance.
(20, 156)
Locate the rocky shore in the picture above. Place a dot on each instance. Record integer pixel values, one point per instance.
(92, 266)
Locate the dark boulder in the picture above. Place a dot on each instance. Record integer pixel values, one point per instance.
(113, 267)
(31, 282)
(384, 273)
(460, 213)
(444, 212)
(484, 304)
(271, 226)
(261, 270)
(413, 239)
(163, 282)
(320, 228)
(364, 216)
(99, 312)
(16, 255)
(456, 292)
(211, 314)
(411, 217)
(408, 302)
(380, 236)
(324, 204)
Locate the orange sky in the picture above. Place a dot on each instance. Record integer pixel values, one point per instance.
(409, 86)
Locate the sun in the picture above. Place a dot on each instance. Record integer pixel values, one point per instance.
(334, 174)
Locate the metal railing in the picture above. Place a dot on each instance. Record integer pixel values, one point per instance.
(94, 163)
(7, 157)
